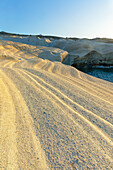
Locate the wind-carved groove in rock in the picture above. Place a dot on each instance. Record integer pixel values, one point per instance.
(52, 115)
(23, 145)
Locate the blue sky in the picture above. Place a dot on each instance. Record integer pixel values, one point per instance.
(75, 18)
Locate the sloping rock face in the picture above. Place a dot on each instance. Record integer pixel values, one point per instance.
(90, 59)
(9, 49)
(86, 52)
(94, 58)
(108, 59)
(70, 59)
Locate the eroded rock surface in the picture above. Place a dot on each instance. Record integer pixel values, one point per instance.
(70, 51)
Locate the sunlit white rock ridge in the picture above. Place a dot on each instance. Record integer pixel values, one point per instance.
(53, 116)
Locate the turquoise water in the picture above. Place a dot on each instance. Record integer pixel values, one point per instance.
(102, 73)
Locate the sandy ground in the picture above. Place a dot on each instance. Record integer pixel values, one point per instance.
(53, 116)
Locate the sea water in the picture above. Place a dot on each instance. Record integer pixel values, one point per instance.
(105, 73)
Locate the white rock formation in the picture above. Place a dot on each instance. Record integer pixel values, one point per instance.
(78, 52)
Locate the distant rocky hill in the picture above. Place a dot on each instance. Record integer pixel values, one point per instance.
(78, 52)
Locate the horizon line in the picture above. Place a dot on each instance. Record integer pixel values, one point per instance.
(51, 35)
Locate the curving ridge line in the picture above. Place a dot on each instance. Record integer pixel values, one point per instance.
(8, 134)
(75, 79)
(8, 63)
(88, 86)
(26, 145)
(98, 130)
(70, 116)
(58, 91)
(11, 133)
(49, 66)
